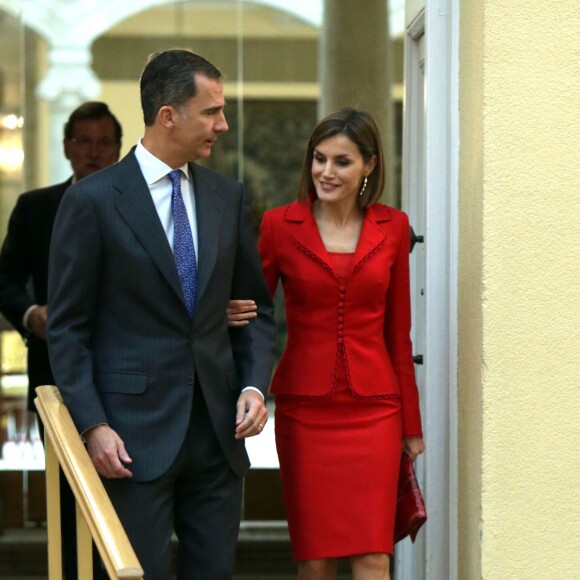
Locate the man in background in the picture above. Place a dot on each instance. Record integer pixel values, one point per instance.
(92, 141)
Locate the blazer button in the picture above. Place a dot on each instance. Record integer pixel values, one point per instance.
(341, 340)
(190, 380)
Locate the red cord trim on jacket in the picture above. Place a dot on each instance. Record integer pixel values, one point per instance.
(315, 257)
(369, 255)
(353, 392)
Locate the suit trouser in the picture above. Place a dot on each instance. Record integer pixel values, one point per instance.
(199, 497)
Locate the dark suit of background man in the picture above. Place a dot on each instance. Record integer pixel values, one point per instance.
(164, 397)
(92, 141)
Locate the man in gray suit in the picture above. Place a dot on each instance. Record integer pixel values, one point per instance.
(144, 258)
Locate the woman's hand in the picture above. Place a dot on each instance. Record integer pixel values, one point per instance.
(413, 446)
(240, 312)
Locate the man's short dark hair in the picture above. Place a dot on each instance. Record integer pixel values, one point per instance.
(169, 79)
(93, 110)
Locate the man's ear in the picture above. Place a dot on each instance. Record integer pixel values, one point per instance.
(166, 116)
(67, 144)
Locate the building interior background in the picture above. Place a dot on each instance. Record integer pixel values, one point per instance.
(272, 59)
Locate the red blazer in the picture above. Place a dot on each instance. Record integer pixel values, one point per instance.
(370, 314)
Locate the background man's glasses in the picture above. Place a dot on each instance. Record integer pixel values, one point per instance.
(87, 144)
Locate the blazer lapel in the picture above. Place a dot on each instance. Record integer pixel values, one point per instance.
(208, 209)
(372, 236)
(307, 236)
(135, 204)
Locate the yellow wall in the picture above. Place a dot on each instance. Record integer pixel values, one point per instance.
(124, 100)
(519, 291)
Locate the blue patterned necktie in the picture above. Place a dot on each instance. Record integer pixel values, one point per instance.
(183, 249)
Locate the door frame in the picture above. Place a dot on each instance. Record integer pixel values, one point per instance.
(435, 556)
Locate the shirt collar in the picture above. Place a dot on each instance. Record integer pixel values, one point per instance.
(154, 169)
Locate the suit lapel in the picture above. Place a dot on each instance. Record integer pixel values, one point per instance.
(208, 209)
(135, 204)
(58, 191)
(46, 213)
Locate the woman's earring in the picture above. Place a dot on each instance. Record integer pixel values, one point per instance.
(363, 187)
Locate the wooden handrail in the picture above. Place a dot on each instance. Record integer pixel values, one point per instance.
(102, 520)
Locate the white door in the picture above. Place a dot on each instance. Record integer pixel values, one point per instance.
(430, 134)
(409, 558)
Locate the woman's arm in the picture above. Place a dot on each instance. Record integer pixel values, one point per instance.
(397, 332)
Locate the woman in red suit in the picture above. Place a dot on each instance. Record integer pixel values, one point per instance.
(346, 397)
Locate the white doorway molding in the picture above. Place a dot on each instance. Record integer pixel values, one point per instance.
(433, 26)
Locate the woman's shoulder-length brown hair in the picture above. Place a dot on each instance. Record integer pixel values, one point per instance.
(362, 130)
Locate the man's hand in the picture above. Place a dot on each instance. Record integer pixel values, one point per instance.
(37, 321)
(251, 414)
(240, 312)
(107, 452)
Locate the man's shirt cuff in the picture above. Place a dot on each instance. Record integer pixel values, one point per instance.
(253, 389)
(27, 314)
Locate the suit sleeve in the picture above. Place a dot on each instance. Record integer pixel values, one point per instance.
(253, 345)
(16, 268)
(73, 286)
(397, 333)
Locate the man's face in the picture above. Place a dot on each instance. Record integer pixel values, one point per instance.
(92, 147)
(199, 122)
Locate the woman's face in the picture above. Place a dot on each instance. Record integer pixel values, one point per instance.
(338, 169)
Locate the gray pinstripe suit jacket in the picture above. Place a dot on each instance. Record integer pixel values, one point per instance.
(122, 346)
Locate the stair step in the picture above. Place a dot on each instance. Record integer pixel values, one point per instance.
(263, 553)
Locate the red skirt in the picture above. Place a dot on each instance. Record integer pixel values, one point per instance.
(339, 462)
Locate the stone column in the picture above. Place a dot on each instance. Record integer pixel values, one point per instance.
(70, 80)
(355, 68)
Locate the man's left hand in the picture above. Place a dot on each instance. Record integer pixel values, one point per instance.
(251, 415)
(37, 321)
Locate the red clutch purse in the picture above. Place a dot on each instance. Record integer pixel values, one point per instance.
(411, 513)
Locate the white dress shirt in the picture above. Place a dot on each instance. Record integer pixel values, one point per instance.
(155, 173)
